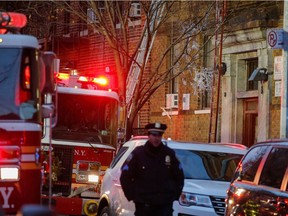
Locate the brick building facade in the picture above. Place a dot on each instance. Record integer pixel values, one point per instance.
(248, 111)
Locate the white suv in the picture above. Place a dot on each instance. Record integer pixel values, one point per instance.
(208, 170)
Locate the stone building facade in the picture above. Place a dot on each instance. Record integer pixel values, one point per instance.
(249, 111)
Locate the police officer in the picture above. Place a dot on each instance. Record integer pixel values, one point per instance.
(152, 176)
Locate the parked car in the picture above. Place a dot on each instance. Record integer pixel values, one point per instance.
(208, 170)
(259, 186)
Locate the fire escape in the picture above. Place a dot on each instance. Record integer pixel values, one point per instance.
(140, 60)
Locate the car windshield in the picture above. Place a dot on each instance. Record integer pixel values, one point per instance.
(204, 165)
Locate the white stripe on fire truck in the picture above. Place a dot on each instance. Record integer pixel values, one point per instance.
(18, 126)
(27, 157)
(79, 144)
(104, 93)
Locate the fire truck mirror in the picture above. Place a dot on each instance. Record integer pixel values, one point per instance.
(48, 58)
(47, 110)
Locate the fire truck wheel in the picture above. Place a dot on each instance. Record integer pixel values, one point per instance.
(105, 212)
(90, 208)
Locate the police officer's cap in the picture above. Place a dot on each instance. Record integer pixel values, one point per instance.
(156, 128)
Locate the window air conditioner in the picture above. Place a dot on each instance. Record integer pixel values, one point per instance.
(171, 100)
(91, 16)
(135, 10)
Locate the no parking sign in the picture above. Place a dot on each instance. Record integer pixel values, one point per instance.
(275, 38)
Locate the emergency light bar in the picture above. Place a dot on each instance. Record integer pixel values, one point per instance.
(103, 81)
(9, 154)
(89, 82)
(62, 76)
(11, 21)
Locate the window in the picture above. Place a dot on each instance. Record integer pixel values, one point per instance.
(274, 168)
(205, 98)
(135, 10)
(66, 22)
(173, 85)
(251, 64)
(82, 23)
(119, 6)
(248, 169)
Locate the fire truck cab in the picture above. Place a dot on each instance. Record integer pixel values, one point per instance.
(83, 141)
(25, 75)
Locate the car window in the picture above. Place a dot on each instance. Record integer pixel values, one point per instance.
(118, 156)
(250, 163)
(206, 165)
(274, 168)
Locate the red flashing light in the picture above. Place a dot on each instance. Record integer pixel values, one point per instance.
(103, 81)
(27, 77)
(62, 76)
(11, 20)
(83, 79)
(83, 166)
(9, 154)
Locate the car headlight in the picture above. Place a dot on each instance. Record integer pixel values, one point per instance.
(87, 171)
(93, 178)
(189, 199)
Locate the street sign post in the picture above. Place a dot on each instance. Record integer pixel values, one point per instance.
(275, 38)
(284, 96)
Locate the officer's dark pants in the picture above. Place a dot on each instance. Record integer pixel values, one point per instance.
(153, 210)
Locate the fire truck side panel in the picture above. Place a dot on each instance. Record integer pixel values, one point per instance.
(23, 152)
(70, 205)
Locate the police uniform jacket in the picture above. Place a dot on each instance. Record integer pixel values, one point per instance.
(152, 175)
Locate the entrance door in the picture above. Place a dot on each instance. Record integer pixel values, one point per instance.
(250, 121)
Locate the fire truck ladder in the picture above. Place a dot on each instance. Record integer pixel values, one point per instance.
(135, 69)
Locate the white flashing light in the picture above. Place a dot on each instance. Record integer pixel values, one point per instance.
(9, 173)
(93, 178)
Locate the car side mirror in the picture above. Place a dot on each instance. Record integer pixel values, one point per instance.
(50, 65)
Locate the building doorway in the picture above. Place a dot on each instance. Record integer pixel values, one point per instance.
(250, 123)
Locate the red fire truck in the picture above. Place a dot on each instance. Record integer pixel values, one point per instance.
(83, 142)
(25, 74)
